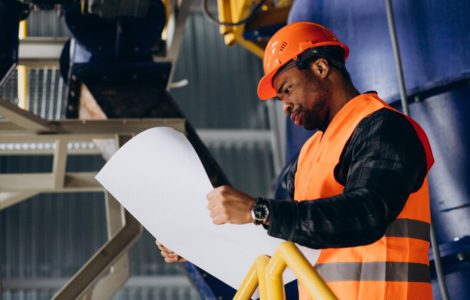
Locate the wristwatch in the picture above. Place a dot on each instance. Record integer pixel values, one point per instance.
(260, 211)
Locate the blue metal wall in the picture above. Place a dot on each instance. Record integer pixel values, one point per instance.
(445, 119)
(433, 37)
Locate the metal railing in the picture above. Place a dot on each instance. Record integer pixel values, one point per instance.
(266, 273)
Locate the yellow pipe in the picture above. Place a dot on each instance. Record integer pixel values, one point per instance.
(274, 282)
(249, 284)
(167, 4)
(83, 6)
(23, 30)
(255, 278)
(267, 273)
(22, 86)
(305, 273)
(232, 11)
(252, 47)
(240, 9)
(225, 15)
(261, 263)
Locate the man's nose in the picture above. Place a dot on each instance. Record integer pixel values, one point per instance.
(287, 108)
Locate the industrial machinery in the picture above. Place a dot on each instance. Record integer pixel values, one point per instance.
(11, 13)
(120, 71)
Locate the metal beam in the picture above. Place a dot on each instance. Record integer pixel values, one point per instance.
(175, 34)
(149, 282)
(80, 144)
(175, 28)
(115, 215)
(24, 119)
(9, 199)
(47, 148)
(234, 136)
(118, 273)
(52, 138)
(114, 126)
(45, 183)
(114, 281)
(118, 126)
(6, 125)
(40, 51)
(101, 261)
(59, 163)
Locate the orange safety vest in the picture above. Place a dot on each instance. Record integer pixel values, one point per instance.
(397, 265)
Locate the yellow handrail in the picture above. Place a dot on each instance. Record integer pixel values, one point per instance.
(23, 85)
(267, 274)
(255, 278)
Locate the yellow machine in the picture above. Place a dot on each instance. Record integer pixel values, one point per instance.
(250, 23)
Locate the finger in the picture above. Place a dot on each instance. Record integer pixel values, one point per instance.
(211, 204)
(164, 254)
(211, 194)
(217, 211)
(213, 214)
(170, 260)
(219, 219)
(161, 246)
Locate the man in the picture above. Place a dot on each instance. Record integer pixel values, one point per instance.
(358, 190)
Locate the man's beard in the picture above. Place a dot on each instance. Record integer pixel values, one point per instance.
(315, 118)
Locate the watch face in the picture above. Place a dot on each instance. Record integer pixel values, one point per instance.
(260, 211)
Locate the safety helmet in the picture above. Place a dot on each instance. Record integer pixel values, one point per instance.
(287, 44)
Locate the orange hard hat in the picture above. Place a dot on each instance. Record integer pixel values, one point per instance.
(287, 44)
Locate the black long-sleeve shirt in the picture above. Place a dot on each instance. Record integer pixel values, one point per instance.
(381, 164)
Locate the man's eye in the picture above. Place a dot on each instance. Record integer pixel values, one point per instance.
(287, 91)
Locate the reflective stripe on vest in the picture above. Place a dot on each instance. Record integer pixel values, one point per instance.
(396, 264)
(414, 229)
(374, 271)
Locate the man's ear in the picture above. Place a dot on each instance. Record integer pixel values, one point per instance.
(320, 68)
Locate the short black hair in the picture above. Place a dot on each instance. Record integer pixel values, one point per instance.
(333, 54)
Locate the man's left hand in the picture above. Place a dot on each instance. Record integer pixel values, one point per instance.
(228, 205)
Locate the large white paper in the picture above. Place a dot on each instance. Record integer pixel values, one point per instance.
(158, 177)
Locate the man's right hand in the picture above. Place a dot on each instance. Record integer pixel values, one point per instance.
(168, 255)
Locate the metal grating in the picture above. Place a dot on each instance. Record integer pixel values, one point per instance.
(9, 89)
(46, 23)
(47, 92)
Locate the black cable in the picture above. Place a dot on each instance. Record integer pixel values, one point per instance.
(210, 17)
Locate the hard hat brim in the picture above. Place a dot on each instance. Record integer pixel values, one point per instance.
(266, 90)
